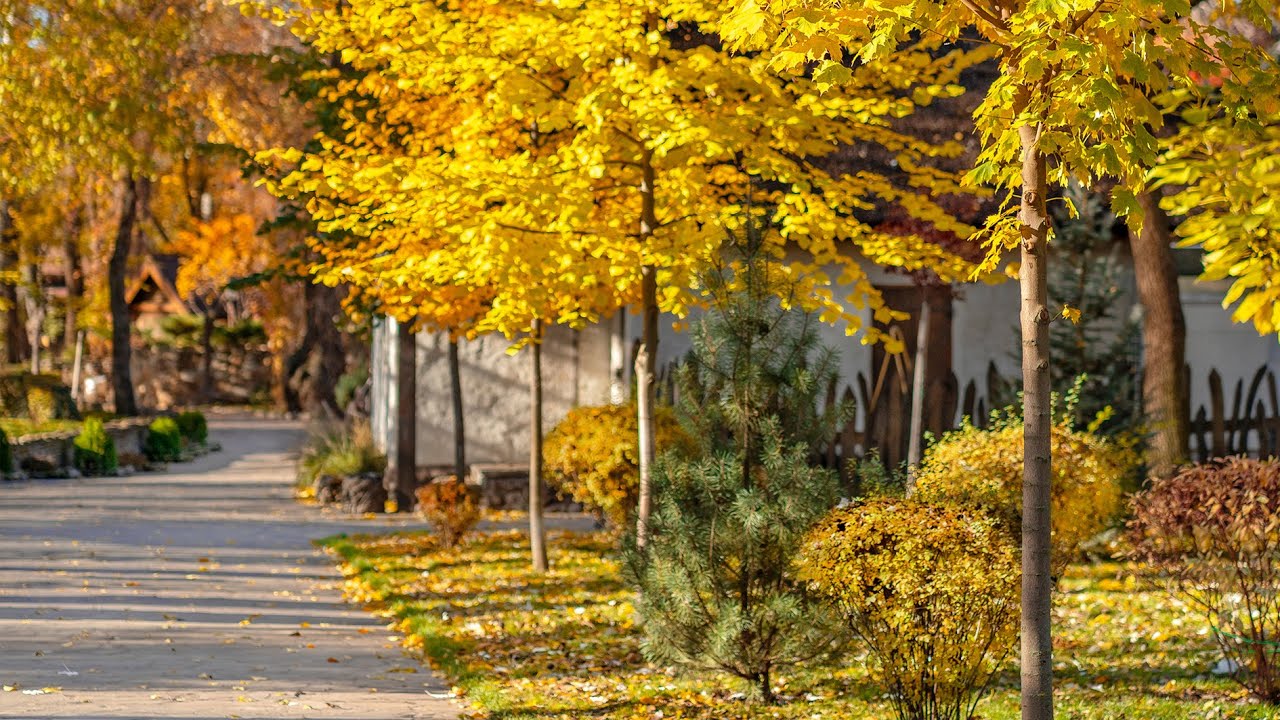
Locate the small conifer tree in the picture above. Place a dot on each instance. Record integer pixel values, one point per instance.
(716, 589)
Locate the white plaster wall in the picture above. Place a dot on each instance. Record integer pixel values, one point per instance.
(984, 328)
(1213, 341)
(577, 367)
(495, 390)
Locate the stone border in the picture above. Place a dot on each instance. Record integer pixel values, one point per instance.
(57, 447)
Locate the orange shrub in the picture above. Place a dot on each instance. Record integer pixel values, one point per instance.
(450, 507)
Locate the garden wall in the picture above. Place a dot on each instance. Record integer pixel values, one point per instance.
(55, 448)
(169, 377)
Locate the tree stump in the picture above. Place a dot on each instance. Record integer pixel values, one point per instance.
(364, 494)
(328, 489)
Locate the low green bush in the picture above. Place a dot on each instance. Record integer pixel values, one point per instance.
(95, 450)
(6, 454)
(164, 440)
(193, 426)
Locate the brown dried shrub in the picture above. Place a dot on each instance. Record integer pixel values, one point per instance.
(450, 507)
(1214, 531)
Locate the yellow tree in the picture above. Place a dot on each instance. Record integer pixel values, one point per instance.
(599, 152)
(1082, 87)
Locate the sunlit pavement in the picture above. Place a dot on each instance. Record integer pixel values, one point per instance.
(193, 593)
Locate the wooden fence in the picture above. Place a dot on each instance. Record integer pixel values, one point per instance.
(1252, 427)
(883, 413)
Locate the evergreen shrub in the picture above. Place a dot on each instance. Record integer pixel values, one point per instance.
(931, 591)
(6, 453)
(715, 575)
(593, 456)
(94, 450)
(972, 467)
(164, 440)
(193, 426)
(1214, 533)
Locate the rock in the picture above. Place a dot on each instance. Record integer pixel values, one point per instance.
(328, 489)
(1225, 666)
(364, 494)
(72, 473)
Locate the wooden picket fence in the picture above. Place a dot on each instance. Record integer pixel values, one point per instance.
(883, 412)
(1251, 428)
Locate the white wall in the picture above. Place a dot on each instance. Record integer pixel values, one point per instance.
(495, 389)
(984, 329)
(1213, 341)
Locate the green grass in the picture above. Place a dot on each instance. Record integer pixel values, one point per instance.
(564, 645)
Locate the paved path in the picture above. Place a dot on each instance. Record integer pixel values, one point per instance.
(191, 594)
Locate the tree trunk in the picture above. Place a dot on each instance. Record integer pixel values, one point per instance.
(459, 420)
(322, 336)
(74, 281)
(647, 360)
(206, 355)
(33, 301)
(1037, 581)
(11, 331)
(537, 535)
(332, 362)
(77, 368)
(915, 443)
(117, 268)
(405, 468)
(618, 390)
(1165, 397)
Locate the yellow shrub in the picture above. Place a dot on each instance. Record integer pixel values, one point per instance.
(932, 591)
(593, 456)
(983, 469)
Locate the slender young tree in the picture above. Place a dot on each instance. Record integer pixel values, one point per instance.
(1075, 98)
(404, 476)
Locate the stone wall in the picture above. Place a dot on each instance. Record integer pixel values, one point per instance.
(169, 377)
(56, 448)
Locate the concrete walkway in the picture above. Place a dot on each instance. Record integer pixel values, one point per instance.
(191, 594)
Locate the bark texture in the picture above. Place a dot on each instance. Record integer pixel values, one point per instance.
(647, 360)
(915, 447)
(1165, 396)
(1037, 581)
(117, 269)
(74, 279)
(459, 420)
(404, 476)
(537, 534)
